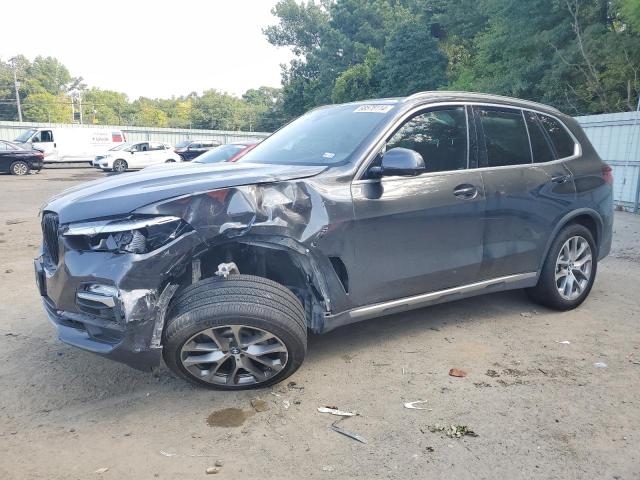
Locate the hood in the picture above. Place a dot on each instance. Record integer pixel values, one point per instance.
(124, 193)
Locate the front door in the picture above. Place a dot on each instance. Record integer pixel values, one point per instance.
(527, 189)
(44, 141)
(420, 234)
(140, 157)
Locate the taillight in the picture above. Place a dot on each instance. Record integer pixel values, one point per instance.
(607, 174)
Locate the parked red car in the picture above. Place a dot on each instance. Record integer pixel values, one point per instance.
(226, 153)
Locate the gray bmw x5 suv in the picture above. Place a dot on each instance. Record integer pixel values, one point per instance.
(349, 212)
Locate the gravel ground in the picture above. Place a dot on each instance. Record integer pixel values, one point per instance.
(540, 408)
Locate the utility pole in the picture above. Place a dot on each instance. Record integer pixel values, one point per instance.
(16, 84)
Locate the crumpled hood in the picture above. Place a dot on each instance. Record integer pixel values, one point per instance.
(122, 194)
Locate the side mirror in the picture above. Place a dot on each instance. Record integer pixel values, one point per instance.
(400, 162)
(131, 152)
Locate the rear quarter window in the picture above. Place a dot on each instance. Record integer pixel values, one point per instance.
(560, 138)
(540, 147)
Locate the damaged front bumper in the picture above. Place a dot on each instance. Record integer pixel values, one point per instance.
(110, 304)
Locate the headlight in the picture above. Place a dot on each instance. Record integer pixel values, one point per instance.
(132, 235)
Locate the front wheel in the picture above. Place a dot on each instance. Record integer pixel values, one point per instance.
(171, 160)
(120, 166)
(235, 333)
(569, 270)
(19, 168)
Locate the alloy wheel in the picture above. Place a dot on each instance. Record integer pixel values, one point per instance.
(573, 268)
(234, 355)
(119, 166)
(20, 169)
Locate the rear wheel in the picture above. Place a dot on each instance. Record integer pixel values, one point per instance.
(20, 168)
(171, 160)
(120, 166)
(569, 270)
(236, 333)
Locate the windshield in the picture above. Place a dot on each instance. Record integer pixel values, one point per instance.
(182, 144)
(327, 136)
(26, 135)
(122, 146)
(14, 146)
(220, 154)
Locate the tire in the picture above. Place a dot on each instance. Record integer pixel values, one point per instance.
(257, 308)
(120, 166)
(547, 291)
(171, 160)
(20, 168)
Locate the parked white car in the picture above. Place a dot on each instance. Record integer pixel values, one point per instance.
(136, 155)
(71, 144)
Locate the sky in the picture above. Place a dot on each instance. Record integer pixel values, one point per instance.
(150, 48)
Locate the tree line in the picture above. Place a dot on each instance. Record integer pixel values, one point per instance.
(582, 56)
(49, 93)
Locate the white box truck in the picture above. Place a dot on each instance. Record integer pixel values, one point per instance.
(71, 144)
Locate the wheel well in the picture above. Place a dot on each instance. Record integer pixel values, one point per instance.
(279, 265)
(590, 224)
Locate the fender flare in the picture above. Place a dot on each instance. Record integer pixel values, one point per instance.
(566, 219)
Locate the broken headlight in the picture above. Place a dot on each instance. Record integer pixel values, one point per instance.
(129, 235)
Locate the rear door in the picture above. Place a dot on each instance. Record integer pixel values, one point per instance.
(157, 153)
(420, 234)
(527, 189)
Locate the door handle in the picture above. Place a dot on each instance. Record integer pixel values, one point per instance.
(55, 145)
(560, 178)
(465, 191)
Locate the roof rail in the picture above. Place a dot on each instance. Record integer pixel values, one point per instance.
(484, 96)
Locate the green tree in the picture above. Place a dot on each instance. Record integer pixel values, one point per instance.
(45, 107)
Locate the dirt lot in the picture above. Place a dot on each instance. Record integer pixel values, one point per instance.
(540, 408)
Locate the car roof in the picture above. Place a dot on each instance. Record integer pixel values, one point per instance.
(454, 96)
(438, 96)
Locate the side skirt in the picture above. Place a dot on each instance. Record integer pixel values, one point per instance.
(509, 282)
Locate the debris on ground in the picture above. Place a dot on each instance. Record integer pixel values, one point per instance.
(327, 468)
(168, 454)
(631, 358)
(219, 463)
(286, 404)
(347, 433)
(294, 385)
(600, 365)
(414, 405)
(564, 342)
(525, 314)
(429, 449)
(453, 431)
(212, 470)
(14, 222)
(456, 372)
(102, 470)
(481, 384)
(492, 373)
(336, 411)
(259, 405)
(8, 270)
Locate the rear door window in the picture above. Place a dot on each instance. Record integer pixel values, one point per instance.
(505, 136)
(560, 138)
(540, 147)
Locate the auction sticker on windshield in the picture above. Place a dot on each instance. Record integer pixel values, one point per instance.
(373, 108)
